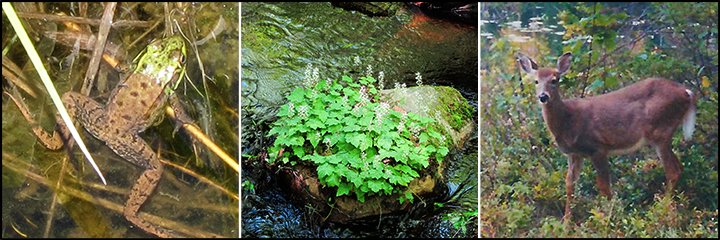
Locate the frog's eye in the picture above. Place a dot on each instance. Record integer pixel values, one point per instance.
(178, 57)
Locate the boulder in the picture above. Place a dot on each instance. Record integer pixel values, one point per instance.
(444, 104)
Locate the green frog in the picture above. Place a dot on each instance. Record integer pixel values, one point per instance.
(134, 105)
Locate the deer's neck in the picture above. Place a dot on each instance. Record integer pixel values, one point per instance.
(556, 115)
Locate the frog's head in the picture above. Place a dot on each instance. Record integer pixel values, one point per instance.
(164, 61)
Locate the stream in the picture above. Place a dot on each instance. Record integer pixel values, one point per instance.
(280, 40)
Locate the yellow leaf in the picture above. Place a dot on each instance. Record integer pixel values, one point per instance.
(705, 81)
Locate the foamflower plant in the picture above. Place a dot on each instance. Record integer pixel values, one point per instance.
(360, 145)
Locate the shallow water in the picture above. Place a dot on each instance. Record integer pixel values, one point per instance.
(47, 195)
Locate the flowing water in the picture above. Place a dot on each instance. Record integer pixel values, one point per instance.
(279, 40)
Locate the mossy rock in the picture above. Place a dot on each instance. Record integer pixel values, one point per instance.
(453, 118)
(446, 105)
(304, 184)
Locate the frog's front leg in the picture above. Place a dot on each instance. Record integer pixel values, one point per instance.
(61, 135)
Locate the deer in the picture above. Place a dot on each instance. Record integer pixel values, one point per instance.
(615, 123)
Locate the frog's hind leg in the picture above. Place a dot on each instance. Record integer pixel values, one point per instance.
(135, 150)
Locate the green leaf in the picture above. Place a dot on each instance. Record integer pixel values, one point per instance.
(374, 173)
(294, 122)
(320, 85)
(355, 162)
(409, 196)
(407, 178)
(337, 105)
(325, 170)
(423, 137)
(359, 140)
(332, 180)
(388, 188)
(314, 138)
(295, 140)
(318, 105)
(384, 141)
(321, 114)
(297, 95)
(351, 128)
(611, 80)
(375, 185)
(283, 110)
(405, 169)
(336, 138)
(434, 134)
(317, 159)
(418, 159)
(332, 121)
(360, 196)
(429, 149)
(372, 91)
(277, 130)
(366, 120)
(354, 178)
(315, 123)
(333, 159)
(343, 189)
(298, 151)
(443, 151)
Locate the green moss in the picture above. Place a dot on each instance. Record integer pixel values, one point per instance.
(455, 111)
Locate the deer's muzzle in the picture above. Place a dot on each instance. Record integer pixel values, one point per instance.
(543, 98)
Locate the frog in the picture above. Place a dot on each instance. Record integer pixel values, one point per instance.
(135, 104)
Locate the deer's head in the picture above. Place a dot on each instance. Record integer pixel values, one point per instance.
(546, 79)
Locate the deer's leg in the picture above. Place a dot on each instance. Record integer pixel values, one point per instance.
(574, 166)
(672, 165)
(602, 170)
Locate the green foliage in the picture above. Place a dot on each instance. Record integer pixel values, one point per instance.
(460, 220)
(359, 146)
(523, 169)
(247, 185)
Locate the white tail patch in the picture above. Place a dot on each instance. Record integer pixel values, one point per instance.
(688, 125)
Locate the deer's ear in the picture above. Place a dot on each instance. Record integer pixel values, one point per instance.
(528, 65)
(564, 62)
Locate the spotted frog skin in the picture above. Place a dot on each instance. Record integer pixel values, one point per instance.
(134, 105)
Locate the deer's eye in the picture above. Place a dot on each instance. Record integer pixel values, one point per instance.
(554, 81)
(536, 82)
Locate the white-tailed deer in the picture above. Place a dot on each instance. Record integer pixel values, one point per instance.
(619, 122)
